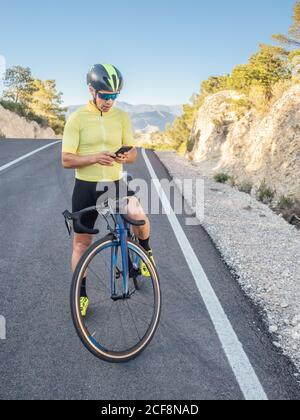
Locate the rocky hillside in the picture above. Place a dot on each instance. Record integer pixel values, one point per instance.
(14, 126)
(254, 148)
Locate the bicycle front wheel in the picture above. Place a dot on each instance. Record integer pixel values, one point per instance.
(117, 327)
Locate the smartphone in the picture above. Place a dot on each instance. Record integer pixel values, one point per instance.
(124, 149)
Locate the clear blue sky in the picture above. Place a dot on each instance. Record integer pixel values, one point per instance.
(164, 48)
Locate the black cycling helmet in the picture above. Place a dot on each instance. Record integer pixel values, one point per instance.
(105, 77)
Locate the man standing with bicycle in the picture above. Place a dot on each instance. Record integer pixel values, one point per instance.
(92, 136)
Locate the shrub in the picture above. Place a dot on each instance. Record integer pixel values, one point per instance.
(14, 107)
(245, 187)
(219, 124)
(222, 125)
(285, 202)
(192, 141)
(182, 149)
(289, 209)
(161, 147)
(240, 106)
(215, 84)
(43, 122)
(2, 135)
(280, 88)
(259, 98)
(221, 178)
(232, 181)
(23, 111)
(265, 194)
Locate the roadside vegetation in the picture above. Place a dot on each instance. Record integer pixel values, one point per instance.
(221, 178)
(287, 207)
(32, 98)
(262, 81)
(245, 187)
(265, 194)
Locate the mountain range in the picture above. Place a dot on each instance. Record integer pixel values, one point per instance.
(146, 118)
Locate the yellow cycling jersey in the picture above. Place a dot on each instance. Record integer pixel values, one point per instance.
(88, 131)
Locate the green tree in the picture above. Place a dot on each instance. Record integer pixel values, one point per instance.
(292, 39)
(179, 132)
(46, 103)
(33, 98)
(215, 84)
(18, 83)
(265, 68)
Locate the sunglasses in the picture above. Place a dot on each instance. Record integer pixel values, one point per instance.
(107, 96)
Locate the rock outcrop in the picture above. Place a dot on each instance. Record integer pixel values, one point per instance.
(13, 126)
(253, 148)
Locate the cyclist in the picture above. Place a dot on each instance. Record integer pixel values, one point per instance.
(91, 137)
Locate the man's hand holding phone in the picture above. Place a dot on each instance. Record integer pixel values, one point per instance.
(122, 155)
(105, 158)
(109, 158)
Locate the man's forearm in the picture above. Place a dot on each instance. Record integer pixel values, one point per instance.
(71, 161)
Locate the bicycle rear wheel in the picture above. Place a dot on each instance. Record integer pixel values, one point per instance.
(117, 328)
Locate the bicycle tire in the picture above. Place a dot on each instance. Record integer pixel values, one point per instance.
(87, 341)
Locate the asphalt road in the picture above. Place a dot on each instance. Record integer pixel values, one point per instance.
(42, 358)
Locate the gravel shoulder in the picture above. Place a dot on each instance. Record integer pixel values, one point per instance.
(261, 249)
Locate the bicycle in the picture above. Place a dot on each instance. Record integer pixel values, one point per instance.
(125, 307)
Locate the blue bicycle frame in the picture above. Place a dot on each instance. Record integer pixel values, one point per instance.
(123, 232)
(123, 229)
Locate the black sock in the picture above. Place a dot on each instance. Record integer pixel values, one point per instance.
(145, 244)
(83, 288)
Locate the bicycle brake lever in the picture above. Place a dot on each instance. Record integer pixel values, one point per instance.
(69, 227)
(67, 222)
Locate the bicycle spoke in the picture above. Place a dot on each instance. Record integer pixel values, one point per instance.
(97, 289)
(138, 316)
(122, 326)
(144, 303)
(133, 321)
(100, 280)
(108, 323)
(107, 318)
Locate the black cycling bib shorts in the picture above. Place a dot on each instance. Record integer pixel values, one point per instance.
(86, 194)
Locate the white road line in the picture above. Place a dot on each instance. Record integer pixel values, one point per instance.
(233, 348)
(2, 168)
